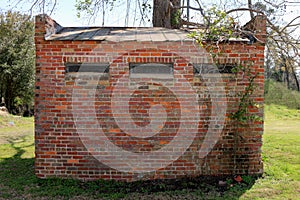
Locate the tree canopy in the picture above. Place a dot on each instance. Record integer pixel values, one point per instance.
(16, 59)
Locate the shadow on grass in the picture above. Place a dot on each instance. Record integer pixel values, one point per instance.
(19, 182)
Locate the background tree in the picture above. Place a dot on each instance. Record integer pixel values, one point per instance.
(16, 60)
(282, 47)
(165, 13)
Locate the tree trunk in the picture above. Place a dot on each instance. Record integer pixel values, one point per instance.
(166, 13)
(286, 71)
(250, 7)
(175, 14)
(295, 77)
(161, 14)
(9, 96)
(296, 80)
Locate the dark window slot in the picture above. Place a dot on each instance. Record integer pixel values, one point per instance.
(151, 69)
(212, 69)
(87, 67)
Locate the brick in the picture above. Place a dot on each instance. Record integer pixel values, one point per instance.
(59, 150)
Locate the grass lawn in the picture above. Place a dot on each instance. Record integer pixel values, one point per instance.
(281, 156)
(281, 179)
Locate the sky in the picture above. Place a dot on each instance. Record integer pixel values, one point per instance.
(66, 15)
(65, 12)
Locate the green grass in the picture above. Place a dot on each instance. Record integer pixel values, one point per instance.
(276, 93)
(14, 128)
(281, 146)
(5, 121)
(281, 179)
(281, 150)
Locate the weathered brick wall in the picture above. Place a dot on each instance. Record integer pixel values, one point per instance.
(70, 111)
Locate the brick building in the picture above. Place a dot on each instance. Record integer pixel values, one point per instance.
(142, 103)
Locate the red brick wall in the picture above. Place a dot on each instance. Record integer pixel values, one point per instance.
(77, 118)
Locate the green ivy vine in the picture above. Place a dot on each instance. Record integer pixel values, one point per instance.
(219, 27)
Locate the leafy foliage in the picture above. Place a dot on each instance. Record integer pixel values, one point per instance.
(277, 93)
(218, 26)
(90, 7)
(16, 59)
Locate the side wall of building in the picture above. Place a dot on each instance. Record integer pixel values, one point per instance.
(69, 108)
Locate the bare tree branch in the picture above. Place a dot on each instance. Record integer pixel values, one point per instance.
(290, 24)
(250, 7)
(244, 9)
